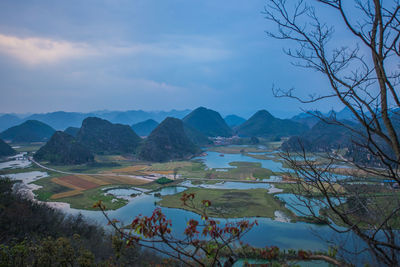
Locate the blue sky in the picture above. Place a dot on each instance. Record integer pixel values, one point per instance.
(145, 54)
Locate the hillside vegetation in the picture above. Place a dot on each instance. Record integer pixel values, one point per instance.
(5, 149)
(263, 124)
(208, 122)
(62, 148)
(103, 137)
(168, 142)
(29, 131)
(321, 137)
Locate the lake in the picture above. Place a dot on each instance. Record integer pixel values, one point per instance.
(286, 235)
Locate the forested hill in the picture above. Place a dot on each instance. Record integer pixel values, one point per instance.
(322, 136)
(104, 137)
(29, 131)
(62, 148)
(263, 124)
(168, 142)
(208, 122)
(5, 149)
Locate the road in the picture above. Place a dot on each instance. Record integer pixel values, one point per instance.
(148, 179)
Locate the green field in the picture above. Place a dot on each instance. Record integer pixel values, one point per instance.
(86, 200)
(232, 203)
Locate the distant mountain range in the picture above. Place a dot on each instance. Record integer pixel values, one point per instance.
(168, 142)
(103, 137)
(60, 120)
(29, 131)
(63, 149)
(144, 128)
(6, 150)
(208, 122)
(263, 124)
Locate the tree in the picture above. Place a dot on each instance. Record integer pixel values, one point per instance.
(364, 76)
(207, 242)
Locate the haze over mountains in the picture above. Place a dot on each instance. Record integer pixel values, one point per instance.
(172, 139)
(61, 120)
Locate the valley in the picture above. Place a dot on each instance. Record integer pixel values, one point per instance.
(244, 178)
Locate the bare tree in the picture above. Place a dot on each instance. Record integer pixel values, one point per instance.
(364, 76)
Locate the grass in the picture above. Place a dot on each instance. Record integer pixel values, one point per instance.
(232, 203)
(86, 200)
(48, 188)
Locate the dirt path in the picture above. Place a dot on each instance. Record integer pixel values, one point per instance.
(148, 179)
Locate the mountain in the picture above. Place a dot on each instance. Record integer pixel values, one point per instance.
(144, 128)
(197, 137)
(263, 124)
(168, 142)
(60, 119)
(307, 119)
(102, 136)
(63, 149)
(321, 137)
(8, 120)
(344, 114)
(72, 131)
(29, 131)
(6, 150)
(208, 122)
(233, 120)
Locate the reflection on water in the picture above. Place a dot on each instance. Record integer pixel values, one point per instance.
(17, 161)
(122, 192)
(26, 177)
(171, 190)
(298, 235)
(229, 185)
(214, 160)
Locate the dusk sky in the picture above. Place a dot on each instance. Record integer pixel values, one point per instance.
(145, 54)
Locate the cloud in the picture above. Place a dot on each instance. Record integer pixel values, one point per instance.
(36, 50)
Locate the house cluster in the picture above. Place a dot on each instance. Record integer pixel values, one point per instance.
(222, 141)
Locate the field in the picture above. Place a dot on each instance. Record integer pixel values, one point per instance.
(232, 203)
(87, 198)
(81, 191)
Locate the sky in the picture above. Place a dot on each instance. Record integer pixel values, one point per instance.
(145, 54)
